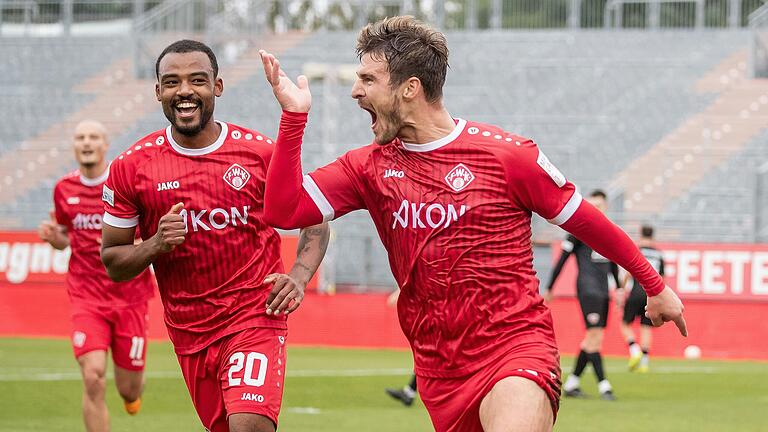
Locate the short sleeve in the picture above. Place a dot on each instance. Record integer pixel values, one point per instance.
(336, 188)
(58, 207)
(120, 208)
(537, 185)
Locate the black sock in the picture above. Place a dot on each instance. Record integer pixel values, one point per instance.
(645, 352)
(581, 363)
(597, 363)
(412, 385)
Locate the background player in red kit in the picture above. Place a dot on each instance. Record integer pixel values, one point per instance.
(195, 189)
(105, 315)
(456, 225)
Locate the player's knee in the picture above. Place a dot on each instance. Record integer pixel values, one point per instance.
(245, 422)
(94, 380)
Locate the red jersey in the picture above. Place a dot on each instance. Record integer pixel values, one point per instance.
(211, 285)
(455, 218)
(78, 207)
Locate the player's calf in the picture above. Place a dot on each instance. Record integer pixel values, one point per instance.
(130, 384)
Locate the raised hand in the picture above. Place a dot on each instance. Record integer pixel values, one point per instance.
(292, 97)
(666, 306)
(286, 294)
(171, 229)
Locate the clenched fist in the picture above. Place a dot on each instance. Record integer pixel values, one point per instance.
(171, 229)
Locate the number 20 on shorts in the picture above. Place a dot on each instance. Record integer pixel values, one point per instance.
(239, 360)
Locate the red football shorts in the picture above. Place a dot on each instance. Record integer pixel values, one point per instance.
(239, 373)
(122, 329)
(454, 403)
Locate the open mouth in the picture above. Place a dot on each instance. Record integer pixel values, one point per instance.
(86, 152)
(186, 109)
(373, 115)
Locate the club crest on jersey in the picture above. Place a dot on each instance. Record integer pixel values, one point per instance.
(236, 176)
(78, 339)
(459, 177)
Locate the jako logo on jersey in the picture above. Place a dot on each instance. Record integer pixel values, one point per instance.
(252, 397)
(393, 173)
(236, 176)
(459, 177)
(87, 221)
(217, 218)
(167, 185)
(73, 200)
(421, 215)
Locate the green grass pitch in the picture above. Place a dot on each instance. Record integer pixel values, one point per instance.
(343, 390)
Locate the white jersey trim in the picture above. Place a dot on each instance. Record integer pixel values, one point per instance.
(434, 145)
(317, 196)
(119, 222)
(94, 181)
(568, 210)
(201, 151)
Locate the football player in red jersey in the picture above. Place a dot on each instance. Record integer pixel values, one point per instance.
(451, 200)
(195, 189)
(105, 314)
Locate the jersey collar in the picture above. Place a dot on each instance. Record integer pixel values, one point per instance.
(434, 145)
(94, 181)
(200, 151)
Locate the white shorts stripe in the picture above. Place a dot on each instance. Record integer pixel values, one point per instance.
(568, 210)
(118, 222)
(317, 196)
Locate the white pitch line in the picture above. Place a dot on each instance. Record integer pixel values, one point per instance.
(303, 410)
(36, 374)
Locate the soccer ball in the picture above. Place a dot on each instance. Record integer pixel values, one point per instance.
(692, 352)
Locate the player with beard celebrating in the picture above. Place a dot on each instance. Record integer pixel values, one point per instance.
(457, 226)
(196, 189)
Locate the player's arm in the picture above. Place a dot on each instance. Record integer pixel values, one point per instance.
(288, 290)
(566, 249)
(54, 230)
(292, 200)
(53, 233)
(615, 274)
(124, 259)
(593, 228)
(286, 204)
(536, 184)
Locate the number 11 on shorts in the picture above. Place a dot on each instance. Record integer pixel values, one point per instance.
(239, 360)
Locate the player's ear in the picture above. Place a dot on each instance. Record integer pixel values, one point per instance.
(411, 88)
(157, 91)
(218, 87)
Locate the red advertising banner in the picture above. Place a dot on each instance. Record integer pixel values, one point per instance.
(24, 259)
(706, 271)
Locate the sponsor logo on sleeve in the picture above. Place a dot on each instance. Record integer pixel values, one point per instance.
(550, 169)
(108, 196)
